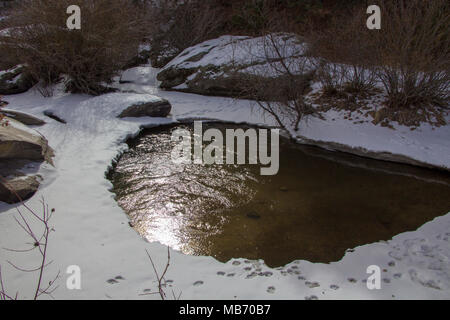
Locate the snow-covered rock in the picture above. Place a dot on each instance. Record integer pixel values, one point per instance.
(215, 67)
(18, 142)
(23, 117)
(158, 108)
(15, 80)
(21, 148)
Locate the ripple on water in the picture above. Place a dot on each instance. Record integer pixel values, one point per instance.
(319, 204)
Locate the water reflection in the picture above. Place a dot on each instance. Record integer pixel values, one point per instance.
(314, 209)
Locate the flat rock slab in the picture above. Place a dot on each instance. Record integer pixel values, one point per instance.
(156, 109)
(24, 118)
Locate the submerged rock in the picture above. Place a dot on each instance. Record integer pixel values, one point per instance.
(253, 215)
(156, 108)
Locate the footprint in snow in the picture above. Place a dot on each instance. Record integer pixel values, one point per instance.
(312, 285)
(115, 280)
(271, 289)
(112, 281)
(334, 287)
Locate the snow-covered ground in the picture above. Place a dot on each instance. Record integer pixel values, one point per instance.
(92, 231)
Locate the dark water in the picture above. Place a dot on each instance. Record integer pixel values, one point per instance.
(319, 204)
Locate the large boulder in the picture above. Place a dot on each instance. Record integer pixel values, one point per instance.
(19, 142)
(15, 80)
(159, 108)
(20, 148)
(222, 66)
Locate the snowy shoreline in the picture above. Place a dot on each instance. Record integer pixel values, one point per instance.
(92, 231)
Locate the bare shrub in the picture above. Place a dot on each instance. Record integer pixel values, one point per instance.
(179, 25)
(38, 242)
(413, 49)
(344, 55)
(279, 85)
(161, 280)
(409, 57)
(109, 37)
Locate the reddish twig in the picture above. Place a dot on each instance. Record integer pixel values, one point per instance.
(38, 242)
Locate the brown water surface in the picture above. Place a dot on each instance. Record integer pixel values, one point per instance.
(319, 204)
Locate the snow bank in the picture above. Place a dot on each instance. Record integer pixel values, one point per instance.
(92, 231)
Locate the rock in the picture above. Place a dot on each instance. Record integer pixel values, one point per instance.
(16, 142)
(15, 80)
(161, 56)
(21, 150)
(253, 215)
(24, 188)
(222, 66)
(53, 116)
(159, 108)
(24, 118)
(142, 57)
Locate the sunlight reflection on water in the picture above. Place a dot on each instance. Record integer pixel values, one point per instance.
(320, 204)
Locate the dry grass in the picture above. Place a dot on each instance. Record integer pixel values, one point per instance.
(409, 57)
(413, 52)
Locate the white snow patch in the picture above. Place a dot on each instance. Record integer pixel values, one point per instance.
(92, 231)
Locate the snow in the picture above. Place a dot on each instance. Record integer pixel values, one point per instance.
(92, 231)
(236, 50)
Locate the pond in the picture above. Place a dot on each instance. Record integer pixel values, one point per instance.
(320, 203)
